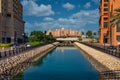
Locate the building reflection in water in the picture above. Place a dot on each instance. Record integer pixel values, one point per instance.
(62, 49)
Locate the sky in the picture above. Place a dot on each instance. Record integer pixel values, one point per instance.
(43, 15)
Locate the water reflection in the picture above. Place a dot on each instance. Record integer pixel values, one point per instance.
(63, 63)
(64, 48)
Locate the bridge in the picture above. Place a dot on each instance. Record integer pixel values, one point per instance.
(68, 39)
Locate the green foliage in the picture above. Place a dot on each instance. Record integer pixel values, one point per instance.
(117, 10)
(5, 45)
(39, 37)
(82, 33)
(97, 40)
(115, 18)
(89, 34)
(92, 41)
(80, 39)
(94, 33)
(35, 43)
(36, 36)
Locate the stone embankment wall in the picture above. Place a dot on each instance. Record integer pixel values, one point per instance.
(10, 62)
(107, 61)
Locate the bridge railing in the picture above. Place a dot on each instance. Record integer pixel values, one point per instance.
(16, 51)
(113, 52)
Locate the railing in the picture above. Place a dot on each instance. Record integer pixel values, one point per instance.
(113, 52)
(16, 51)
(110, 75)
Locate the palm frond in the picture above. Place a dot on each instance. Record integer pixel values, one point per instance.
(117, 10)
(115, 18)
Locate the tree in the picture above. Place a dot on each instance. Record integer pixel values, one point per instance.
(82, 33)
(94, 34)
(36, 36)
(89, 34)
(39, 37)
(115, 18)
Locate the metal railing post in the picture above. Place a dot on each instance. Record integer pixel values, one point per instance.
(0, 55)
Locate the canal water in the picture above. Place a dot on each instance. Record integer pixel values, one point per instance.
(63, 63)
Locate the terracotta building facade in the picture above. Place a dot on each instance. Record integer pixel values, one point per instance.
(63, 33)
(107, 33)
(11, 21)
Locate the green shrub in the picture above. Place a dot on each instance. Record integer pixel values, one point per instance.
(5, 45)
(80, 39)
(35, 43)
(92, 41)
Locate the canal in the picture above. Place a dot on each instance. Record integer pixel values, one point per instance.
(63, 63)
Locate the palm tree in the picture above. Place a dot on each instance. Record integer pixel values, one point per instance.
(94, 34)
(82, 33)
(115, 18)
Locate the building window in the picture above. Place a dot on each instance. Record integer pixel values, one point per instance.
(105, 13)
(105, 9)
(105, 5)
(118, 27)
(118, 38)
(106, 0)
(105, 18)
(105, 24)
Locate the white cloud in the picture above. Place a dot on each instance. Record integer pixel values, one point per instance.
(48, 19)
(96, 1)
(76, 21)
(68, 6)
(87, 5)
(86, 13)
(31, 8)
(87, 16)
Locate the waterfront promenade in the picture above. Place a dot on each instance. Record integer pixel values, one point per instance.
(111, 62)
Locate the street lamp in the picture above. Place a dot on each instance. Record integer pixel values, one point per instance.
(23, 35)
(105, 40)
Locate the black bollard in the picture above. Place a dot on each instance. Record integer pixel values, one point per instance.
(0, 55)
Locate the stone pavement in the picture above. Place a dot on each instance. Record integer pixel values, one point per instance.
(111, 62)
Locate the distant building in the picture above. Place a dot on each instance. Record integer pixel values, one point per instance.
(108, 34)
(64, 33)
(11, 21)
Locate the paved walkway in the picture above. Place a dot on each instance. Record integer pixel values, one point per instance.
(111, 62)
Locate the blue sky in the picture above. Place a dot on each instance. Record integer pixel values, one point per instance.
(43, 15)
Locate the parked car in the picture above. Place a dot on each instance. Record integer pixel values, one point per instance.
(17, 46)
(111, 47)
(29, 45)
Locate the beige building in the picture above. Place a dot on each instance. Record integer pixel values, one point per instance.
(11, 21)
(64, 33)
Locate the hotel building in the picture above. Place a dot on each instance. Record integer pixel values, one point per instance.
(11, 21)
(107, 33)
(64, 33)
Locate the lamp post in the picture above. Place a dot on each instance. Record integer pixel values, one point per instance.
(23, 37)
(105, 41)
